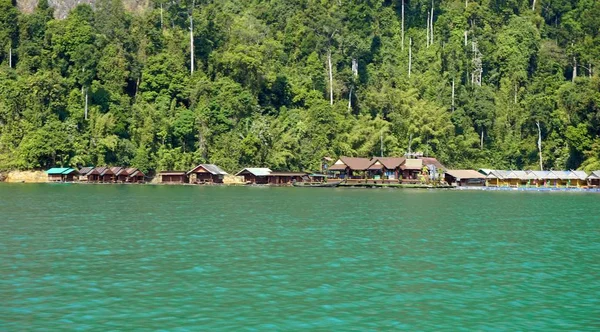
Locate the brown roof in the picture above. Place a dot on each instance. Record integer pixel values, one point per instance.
(106, 171)
(388, 162)
(465, 174)
(85, 170)
(135, 173)
(355, 164)
(116, 170)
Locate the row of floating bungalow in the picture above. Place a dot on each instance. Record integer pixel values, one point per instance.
(409, 169)
(541, 179)
(96, 175)
(212, 174)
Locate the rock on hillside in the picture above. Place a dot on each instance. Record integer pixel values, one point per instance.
(62, 7)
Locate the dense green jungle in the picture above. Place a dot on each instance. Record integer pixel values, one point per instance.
(284, 83)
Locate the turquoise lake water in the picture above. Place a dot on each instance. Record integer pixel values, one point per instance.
(127, 257)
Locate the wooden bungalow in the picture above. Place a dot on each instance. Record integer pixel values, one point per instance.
(386, 168)
(285, 178)
(593, 179)
(411, 169)
(128, 175)
(206, 173)
(464, 177)
(135, 175)
(106, 175)
(581, 178)
(116, 171)
(523, 178)
(254, 175)
(545, 178)
(351, 168)
(62, 174)
(566, 179)
(94, 174)
(173, 177)
(83, 173)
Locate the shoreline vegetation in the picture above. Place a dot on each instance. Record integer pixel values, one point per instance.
(500, 84)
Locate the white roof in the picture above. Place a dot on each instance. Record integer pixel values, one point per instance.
(594, 175)
(581, 175)
(255, 171)
(565, 175)
(544, 175)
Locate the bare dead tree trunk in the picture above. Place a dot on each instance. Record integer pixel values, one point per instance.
(477, 65)
(540, 145)
(10, 57)
(85, 112)
(533, 6)
(453, 94)
(350, 100)
(330, 77)
(137, 85)
(409, 56)
(574, 69)
(431, 24)
(191, 44)
(403, 25)
(354, 76)
(466, 37)
(516, 91)
(481, 143)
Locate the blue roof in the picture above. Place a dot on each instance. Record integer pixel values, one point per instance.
(58, 170)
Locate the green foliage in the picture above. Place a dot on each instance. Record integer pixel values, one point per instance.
(259, 95)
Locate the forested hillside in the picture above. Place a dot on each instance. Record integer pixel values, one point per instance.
(283, 83)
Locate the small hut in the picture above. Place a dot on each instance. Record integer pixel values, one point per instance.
(207, 173)
(253, 175)
(594, 179)
(94, 174)
(83, 173)
(173, 177)
(465, 177)
(106, 175)
(581, 178)
(411, 168)
(61, 174)
(135, 175)
(566, 178)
